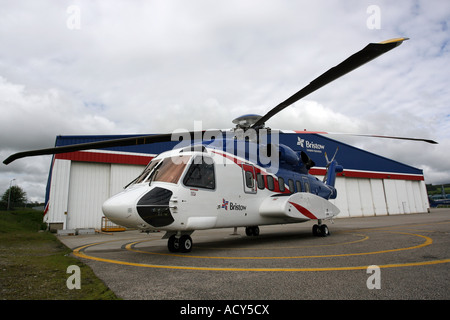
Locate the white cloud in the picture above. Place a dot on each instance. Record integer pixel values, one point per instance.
(31, 119)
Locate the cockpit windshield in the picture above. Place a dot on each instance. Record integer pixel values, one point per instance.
(147, 171)
(200, 173)
(169, 169)
(165, 170)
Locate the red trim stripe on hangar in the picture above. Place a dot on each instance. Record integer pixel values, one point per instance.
(127, 158)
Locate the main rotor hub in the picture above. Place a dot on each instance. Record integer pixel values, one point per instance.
(246, 121)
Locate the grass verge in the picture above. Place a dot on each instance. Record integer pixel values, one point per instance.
(33, 263)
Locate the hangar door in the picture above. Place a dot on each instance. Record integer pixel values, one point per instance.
(89, 186)
(88, 189)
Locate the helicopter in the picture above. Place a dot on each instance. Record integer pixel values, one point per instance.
(239, 177)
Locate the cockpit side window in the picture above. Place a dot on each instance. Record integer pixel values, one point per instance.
(201, 173)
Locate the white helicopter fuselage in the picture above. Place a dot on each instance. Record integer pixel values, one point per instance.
(170, 195)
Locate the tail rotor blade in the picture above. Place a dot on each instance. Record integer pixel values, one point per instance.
(335, 153)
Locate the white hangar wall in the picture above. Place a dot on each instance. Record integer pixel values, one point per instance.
(363, 197)
(78, 190)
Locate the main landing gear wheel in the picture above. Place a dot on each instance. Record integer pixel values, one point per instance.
(252, 231)
(321, 230)
(182, 244)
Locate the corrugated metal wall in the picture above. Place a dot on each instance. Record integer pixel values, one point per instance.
(78, 190)
(88, 189)
(359, 197)
(59, 190)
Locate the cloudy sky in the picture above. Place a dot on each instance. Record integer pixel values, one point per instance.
(119, 67)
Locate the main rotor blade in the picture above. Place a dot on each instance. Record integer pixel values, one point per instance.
(399, 138)
(370, 52)
(122, 142)
(369, 135)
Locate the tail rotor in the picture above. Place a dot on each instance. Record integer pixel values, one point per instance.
(332, 168)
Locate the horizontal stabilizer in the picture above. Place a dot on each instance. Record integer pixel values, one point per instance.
(299, 206)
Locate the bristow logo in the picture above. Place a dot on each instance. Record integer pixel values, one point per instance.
(309, 145)
(233, 206)
(225, 204)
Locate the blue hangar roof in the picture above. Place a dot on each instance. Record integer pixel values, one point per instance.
(356, 162)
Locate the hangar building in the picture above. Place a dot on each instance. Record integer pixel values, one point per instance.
(370, 185)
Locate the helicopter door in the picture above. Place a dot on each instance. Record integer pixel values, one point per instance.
(248, 172)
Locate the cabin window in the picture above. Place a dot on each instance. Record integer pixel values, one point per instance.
(201, 174)
(169, 169)
(260, 181)
(270, 183)
(307, 187)
(281, 184)
(291, 185)
(298, 184)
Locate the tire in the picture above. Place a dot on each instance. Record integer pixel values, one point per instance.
(173, 244)
(315, 230)
(252, 231)
(185, 243)
(324, 230)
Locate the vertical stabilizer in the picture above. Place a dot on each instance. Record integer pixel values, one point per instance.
(332, 169)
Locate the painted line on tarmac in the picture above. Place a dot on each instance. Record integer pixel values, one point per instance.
(427, 242)
(363, 238)
(131, 247)
(80, 252)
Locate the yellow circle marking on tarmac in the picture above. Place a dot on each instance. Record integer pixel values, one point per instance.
(130, 247)
(364, 238)
(80, 253)
(427, 242)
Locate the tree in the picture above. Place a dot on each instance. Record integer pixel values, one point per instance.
(15, 196)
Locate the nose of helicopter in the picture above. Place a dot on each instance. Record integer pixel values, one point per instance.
(141, 206)
(119, 209)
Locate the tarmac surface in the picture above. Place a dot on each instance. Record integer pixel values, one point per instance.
(399, 257)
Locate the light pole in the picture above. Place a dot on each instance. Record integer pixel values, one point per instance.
(9, 193)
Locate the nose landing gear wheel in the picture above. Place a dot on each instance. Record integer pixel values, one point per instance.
(173, 244)
(185, 243)
(182, 244)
